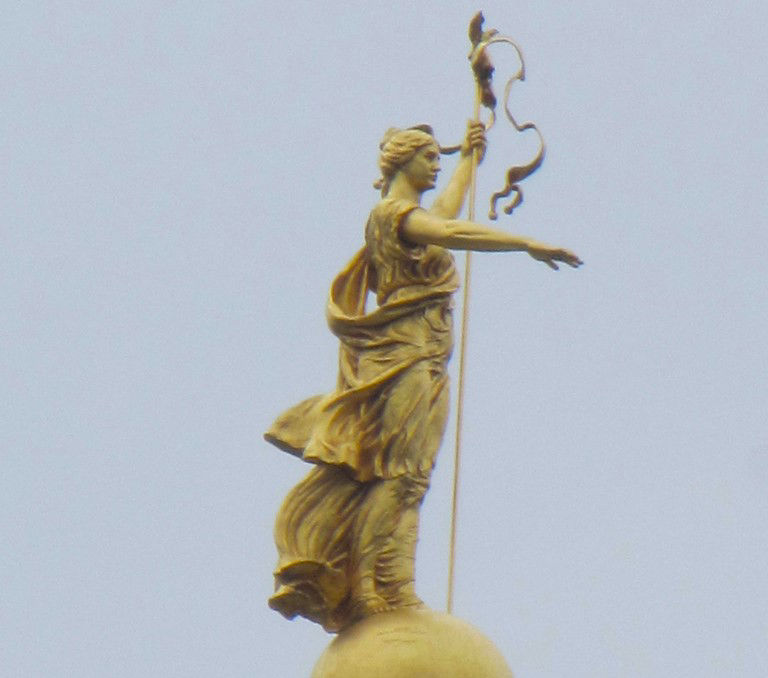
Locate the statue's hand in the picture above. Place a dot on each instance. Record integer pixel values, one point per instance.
(549, 255)
(475, 139)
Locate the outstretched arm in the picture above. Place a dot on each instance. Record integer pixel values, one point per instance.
(425, 228)
(449, 203)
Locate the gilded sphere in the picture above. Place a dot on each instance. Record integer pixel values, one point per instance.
(410, 643)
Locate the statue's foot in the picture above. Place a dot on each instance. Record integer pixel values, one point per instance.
(412, 601)
(370, 603)
(287, 601)
(291, 600)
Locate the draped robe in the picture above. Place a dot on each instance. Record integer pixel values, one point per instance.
(384, 420)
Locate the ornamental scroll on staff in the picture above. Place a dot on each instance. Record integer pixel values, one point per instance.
(346, 535)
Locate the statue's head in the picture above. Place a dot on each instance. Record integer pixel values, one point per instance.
(414, 150)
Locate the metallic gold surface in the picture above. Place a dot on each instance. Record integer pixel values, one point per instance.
(346, 535)
(411, 644)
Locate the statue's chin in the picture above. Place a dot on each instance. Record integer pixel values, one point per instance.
(406, 643)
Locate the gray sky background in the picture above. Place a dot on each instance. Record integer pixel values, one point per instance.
(179, 184)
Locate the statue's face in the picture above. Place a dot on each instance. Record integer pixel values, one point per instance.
(422, 169)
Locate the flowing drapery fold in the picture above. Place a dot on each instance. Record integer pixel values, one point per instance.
(383, 422)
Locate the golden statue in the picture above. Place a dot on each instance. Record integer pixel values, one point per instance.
(346, 535)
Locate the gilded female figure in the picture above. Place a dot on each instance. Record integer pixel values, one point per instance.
(346, 535)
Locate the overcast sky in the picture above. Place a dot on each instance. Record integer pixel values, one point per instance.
(179, 184)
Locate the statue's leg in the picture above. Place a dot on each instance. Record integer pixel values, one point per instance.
(395, 569)
(378, 519)
(382, 549)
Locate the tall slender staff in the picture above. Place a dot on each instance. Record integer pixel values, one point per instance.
(484, 96)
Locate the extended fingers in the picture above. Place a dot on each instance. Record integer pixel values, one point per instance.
(568, 257)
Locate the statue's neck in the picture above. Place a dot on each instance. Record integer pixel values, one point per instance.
(401, 189)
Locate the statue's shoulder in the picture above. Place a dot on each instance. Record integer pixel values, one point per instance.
(383, 228)
(388, 214)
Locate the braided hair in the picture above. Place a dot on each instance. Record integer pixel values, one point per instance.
(397, 147)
